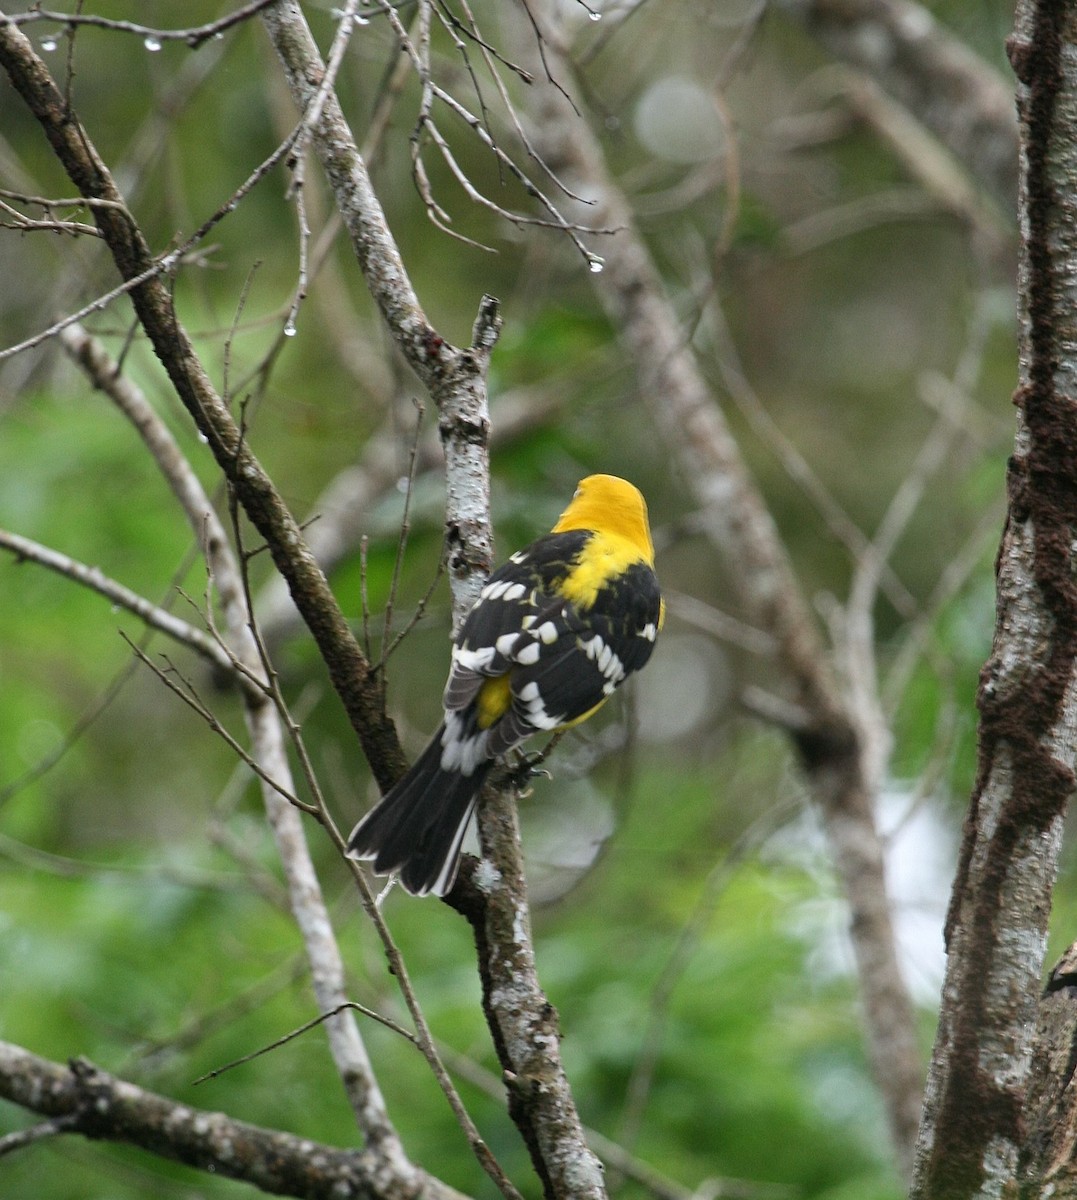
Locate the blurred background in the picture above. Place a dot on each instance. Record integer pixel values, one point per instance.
(855, 324)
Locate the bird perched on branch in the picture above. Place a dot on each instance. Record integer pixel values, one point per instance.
(552, 634)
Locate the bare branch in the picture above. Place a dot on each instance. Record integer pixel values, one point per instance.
(344, 506)
(114, 204)
(268, 757)
(831, 750)
(72, 145)
(99, 1105)
(454, 377)
(21, 1138)
(954, 93)
(102, 302)
(432, 91)
(96, 580)
(194, 36)
(493, 897)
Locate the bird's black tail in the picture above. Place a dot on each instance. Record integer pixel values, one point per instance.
(418, 826)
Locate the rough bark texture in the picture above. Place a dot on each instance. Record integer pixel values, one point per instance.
(523, 1023)
(996, 928)
(456, 381)
(98, 1105)
(1048, 1163)
(521, 1020)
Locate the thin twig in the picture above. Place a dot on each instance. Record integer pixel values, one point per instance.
(405, 529)
(49, 203)
(188, 693)
(351, 1005)
(21, 1138)
(194, 36)
(431, 91)
(416, 616)
(229, 341)
(162, 265)
(422, 1038)
(97, 581)
(311, 117)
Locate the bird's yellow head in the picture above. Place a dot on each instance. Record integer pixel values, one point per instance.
(613, 506)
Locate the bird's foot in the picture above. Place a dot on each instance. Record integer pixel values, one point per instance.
(526, 768)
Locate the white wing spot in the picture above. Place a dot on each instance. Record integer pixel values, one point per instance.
(605, 659)
(505, 642)
(473, 660)
(537, 715)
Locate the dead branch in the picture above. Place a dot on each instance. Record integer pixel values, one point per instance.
(193, 37)
(74, 149)
(96, 580)
(833, 749)
(966, 104)
(97, 1105)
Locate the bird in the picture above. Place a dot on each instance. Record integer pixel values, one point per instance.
(554, 632)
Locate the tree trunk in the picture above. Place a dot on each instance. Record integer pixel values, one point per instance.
(973, 1126)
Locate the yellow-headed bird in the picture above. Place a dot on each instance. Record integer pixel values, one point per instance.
(552, 634)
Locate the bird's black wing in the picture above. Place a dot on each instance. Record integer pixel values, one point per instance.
(514, 600)
(570, 662)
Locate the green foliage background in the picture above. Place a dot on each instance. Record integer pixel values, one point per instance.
(131, 932)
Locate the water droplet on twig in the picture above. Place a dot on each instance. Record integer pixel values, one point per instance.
(152, 44)
(49, 44)
(595, 264)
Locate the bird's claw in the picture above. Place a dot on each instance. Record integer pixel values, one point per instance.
(527, 767)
